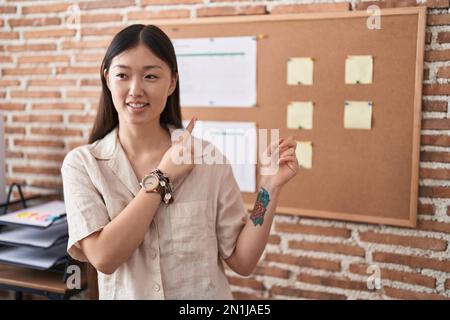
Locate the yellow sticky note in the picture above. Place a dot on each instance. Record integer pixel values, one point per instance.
(358, 115)
(300, 71)
(358, 69)
(300, 115)
(303, 153)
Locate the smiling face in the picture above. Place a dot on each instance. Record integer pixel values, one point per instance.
(140, 83)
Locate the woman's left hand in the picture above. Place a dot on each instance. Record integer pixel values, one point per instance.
(283, 163)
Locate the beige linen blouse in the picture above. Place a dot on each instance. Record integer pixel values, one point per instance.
(181, 254)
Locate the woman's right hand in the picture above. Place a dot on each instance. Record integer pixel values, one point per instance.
(178, 161)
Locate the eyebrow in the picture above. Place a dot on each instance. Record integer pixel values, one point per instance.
(145, 67)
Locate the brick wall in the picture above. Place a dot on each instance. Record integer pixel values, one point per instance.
(49, 90)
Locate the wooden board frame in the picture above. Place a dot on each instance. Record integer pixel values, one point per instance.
(394, 207)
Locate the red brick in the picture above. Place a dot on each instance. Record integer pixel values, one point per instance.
(428, 37)
(447, 284)
(102, 44)
(81, 119)
(411, 295)
(57, 106)
(31, 47)
(6, 59)
(299, 293)
(437, 55)
(26, 71)
(12, 106)
(59, 157)
(246, 282)
(91, 82)
(34, 22)
(57, 131)
(274, 239)
(434, 192)
(82, 94)
(436, 89)
(97, 31)
(438, 174)
(426, 74)
(272, 272)
(106, 4)
(9, 83)
(231, 11)
(5, 9)
(11, 154)
(46, 184)
(49, 33)
(43, 59)
(162, 14)
(433, 226)
(246, 296)
(427, 156)
(52, 83)
(395, 275)
(439, 106)
(412, 261)
(96, 18)
(307, 262)
(153, 2)
(407, 241)
(37, 170)
(73, 144)
(343, 283)
(338, 248)
(443, 37)
(15, 130)
(438, 19)
(76, 70)
(363, 5)
(35, 94)
(9, 35)
(426, 208)
(89, 58)
(316, 7)
(435, 140)
(38, 118)
(444, 72)
(45, 8)
(39, 143)
(307, 229)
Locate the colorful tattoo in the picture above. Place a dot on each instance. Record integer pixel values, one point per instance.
(262, 201)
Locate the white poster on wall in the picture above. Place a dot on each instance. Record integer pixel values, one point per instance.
(217, 72)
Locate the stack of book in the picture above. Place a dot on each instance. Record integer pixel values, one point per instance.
(35, 237)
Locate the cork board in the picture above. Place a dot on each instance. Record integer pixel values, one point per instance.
(357, 175)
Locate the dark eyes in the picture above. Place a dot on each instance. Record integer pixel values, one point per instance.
(123, 76)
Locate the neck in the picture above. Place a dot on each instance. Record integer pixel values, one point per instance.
(138, 140)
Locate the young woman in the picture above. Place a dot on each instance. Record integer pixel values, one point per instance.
(155, 228)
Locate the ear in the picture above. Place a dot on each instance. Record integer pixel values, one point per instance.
(173, 84)
(105, 74)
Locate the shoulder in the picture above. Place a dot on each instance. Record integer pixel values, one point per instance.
(85, 155)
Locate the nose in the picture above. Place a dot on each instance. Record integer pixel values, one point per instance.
(136, 89)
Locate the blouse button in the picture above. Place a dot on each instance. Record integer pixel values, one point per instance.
(153, 254)
(156, 287)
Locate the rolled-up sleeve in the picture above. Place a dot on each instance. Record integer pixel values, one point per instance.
(85, 209)
(231, 213)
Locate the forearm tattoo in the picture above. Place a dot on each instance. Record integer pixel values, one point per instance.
(262, 201)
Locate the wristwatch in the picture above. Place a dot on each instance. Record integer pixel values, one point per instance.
(156, 181)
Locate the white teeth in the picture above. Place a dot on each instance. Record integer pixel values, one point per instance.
(134, 105)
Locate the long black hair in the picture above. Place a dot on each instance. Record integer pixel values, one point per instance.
(130, 37)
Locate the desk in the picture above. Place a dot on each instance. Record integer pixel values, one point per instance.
(44, 283)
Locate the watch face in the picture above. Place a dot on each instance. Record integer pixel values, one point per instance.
(150, 182)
